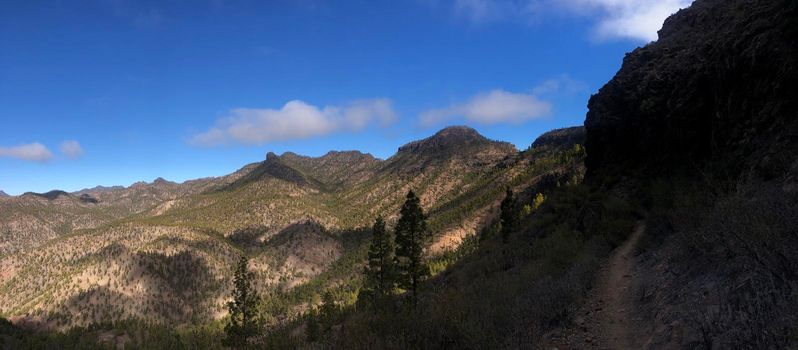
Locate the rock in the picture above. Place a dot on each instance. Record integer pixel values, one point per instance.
(716, 91)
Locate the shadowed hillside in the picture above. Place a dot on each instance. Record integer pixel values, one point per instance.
(700, 126)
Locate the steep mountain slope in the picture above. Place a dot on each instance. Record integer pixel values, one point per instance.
(163, 251)
(702, 126)
(714, 93)
(691, 193)
(492, 291)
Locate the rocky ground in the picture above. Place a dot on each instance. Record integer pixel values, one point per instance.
(607, 320)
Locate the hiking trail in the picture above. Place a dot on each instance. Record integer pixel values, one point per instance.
(605, 322)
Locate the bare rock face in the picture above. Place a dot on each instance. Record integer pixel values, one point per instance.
(716, 92)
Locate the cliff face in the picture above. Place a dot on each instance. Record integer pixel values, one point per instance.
(712, 101)
(716, 92)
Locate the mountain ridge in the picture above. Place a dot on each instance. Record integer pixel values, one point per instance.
(197, 228)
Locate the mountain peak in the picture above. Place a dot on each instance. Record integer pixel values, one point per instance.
(161, 180)
(52, 195)
(447, 138)
(458, 131)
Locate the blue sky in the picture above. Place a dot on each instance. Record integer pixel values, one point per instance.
(109, 92)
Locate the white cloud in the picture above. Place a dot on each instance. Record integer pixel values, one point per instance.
(33, 152)
(497, 106)
(295, 120)
(71, 149)
(625, 19)
(631, 19)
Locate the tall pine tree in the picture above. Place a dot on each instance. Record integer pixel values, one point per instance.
(508, 216)
(411, 238)
(243, 323)
(379, 273)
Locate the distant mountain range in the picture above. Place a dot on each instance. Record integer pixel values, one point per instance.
(296, 216)
(674, 227)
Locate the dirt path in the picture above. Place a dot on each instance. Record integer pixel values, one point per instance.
(605, 321)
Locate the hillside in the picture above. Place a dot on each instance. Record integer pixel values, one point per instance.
(667, 222)
(701, 126)
(162, 252)
(682, 234)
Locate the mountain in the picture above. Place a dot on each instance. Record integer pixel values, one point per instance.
(701, 126)
(667, 222)
(682, 234)
(52, 195)
(459, 143)
(709, 95)
(3, 194)
(98, 189)
(162, 251)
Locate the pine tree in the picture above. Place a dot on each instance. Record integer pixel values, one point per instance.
(243, 308)
(508, 214)
(411, 238)
(379, 273)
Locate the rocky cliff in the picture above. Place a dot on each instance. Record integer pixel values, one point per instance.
(702, 125)
(715, 92)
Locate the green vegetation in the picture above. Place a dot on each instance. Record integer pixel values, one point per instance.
(379, 272)
(243, 323)
(412, 237)
(108, 335)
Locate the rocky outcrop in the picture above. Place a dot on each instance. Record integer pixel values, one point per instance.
(715, 93)
(712, 101)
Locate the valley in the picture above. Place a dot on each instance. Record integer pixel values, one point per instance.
(667, 221)
(162, 252)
